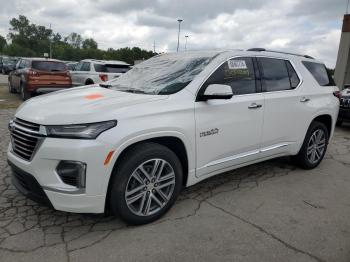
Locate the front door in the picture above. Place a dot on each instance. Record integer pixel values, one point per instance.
(228, 132)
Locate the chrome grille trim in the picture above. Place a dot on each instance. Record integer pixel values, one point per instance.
(25, 138)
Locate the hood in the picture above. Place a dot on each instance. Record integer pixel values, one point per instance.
(86, 104)
(345, 92)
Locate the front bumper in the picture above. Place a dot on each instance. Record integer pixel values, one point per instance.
(45, 185)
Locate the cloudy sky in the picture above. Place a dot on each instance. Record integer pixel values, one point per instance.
(304, 26)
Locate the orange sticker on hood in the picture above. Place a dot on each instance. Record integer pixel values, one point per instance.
(93, 96)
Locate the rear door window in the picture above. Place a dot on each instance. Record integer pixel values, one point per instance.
(275, 75)
(319, 72)
(85, 66)
(49, 66)
(111, 68)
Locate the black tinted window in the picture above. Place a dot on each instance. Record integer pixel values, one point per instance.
(49, 66)
(110, 68)
(319, 72)
(237, 73)
(274, 74)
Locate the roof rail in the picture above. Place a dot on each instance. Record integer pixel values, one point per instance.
(258, 49)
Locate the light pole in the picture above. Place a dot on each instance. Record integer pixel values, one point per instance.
(178, 35)
(186, 37)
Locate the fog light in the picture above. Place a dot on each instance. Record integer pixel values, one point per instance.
(72, 173)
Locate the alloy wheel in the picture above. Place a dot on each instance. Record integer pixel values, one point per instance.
(150, 187)
(316, 146)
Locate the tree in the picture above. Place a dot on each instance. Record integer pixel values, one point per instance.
(74, 40)
(89, 43)
(28, 39)
(2, 43)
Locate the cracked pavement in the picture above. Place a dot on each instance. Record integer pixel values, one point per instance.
(272, 211)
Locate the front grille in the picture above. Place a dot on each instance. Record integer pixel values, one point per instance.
(345, 102)
(25, 138)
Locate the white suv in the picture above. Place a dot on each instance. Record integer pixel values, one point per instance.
(90, 71)
(130, 146)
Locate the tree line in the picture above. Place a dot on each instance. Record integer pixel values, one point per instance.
(26, 39)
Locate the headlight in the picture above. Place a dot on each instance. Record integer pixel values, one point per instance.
(85, 131)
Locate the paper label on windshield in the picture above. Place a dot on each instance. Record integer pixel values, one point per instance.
(237, 64)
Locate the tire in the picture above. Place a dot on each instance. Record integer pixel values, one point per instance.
(127, 176)
(89, 82)
(25, 95)
(11, 89)
(314, 146)
(339, 123)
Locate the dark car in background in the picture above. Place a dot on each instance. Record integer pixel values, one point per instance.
(344, 110)
(1, 62)
(8, 64)
(38, 75)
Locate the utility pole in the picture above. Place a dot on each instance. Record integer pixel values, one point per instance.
(347, 7)
(154, 46)
(178, 35)
(186, 37)
(50, 42)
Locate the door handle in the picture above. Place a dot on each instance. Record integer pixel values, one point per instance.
(304, 99)
(254, 106)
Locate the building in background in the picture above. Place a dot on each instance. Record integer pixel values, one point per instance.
(342, 68)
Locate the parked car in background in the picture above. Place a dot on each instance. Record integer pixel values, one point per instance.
(9, 64)
(169, 122)
(344, 110)
(71, 65)
(1, 62)
(38, 75)
(90, 71)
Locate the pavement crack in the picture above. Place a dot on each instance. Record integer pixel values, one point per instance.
(261, 229)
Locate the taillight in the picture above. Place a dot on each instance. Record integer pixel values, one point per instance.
(103, 77)
(32, 73)
(337, 94)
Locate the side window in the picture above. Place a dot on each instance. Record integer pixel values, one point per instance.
(85, 66)
(78, 66)
(319, 72)
(237, 73)
(293, 76)
(275, 75)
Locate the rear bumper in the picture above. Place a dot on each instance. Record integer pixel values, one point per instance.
(37, 88)
(50, 89)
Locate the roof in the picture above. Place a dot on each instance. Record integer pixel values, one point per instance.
(41, 59)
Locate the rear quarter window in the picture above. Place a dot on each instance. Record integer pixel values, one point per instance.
(49, 66)
(319, 72)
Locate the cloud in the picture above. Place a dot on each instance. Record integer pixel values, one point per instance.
(303, 26)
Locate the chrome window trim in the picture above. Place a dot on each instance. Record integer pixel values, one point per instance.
(255, 56)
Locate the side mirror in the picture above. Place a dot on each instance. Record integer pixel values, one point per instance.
(216, 91)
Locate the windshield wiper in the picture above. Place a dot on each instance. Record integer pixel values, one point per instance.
(105, 85)
(132, 90)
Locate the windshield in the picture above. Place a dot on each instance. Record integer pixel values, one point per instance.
(164, 74)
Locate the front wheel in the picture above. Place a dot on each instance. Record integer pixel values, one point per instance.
(314, 146)
(146, 183)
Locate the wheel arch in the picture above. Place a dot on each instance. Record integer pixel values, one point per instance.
(174, 143)
(89, 81)
(325, 119)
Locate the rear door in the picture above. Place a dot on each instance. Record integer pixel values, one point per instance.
(285, 114)
(80, 73)
(228, 132)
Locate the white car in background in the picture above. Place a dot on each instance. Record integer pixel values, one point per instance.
(91, 71)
